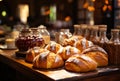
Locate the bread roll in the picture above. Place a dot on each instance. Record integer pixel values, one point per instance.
(66, 52)
(32, 53)
(98, 54)
(53, 47)
(71, 40)
(80, 63)
(48, 60)
(82, 44)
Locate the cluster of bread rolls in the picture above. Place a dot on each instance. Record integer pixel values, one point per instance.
(75, 54)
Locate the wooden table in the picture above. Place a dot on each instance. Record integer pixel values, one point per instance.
(13, 68)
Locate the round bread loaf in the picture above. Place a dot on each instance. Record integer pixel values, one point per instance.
(53, 47)
(68, 51)
(48, 60)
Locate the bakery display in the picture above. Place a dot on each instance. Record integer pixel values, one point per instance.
(66, 52)
(80, 63)
(98, 54)
(76, 54)
(53, 46)
(48, 60)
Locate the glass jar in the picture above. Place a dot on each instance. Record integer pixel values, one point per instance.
(45, 34)
(64, 33)
(83, 29)
(102, 35)
(77, 30)
(88, 32)
(29, 38)
(94, 34)
(114, 48)
(103, 40)
(114, 36)
(37, 38)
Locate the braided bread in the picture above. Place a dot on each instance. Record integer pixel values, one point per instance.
(48, 60)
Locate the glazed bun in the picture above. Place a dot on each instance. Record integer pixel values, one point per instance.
(32, 53)
(82, 44)
(98, 54)
(68, 51)
(53, 47)
(48, 60)
(80, 63)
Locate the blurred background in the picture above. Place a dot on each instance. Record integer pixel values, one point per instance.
(57, 14)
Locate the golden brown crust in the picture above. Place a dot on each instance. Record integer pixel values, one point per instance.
(93, 49)
(100, 58)
(83, 44)
(80, 63)
(71, 40)
(68, 51)
(48, 60)
(53, 47)
(98, 54)
(32, 53)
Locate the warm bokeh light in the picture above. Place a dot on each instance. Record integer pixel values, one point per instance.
(68, 18)
(93, 0)
(0, 0)
(104, 8)
(91, 8)
(23, 12)
(4, 13)
(106, 2)
(86, 5)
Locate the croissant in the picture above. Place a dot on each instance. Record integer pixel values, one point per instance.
(71, 40)
(80, 63)
(98, 54)
(83, 44)
(66, 52)
(53, 47)
(48, 60)
(32, 53)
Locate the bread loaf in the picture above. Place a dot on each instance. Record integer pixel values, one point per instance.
(32, 53)
(53, 47)
(48, 60)
(98, 54)
(71, 40)
(83, 44)
(68, 51)
(80, 63)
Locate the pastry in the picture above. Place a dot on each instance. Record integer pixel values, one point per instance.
(32, 53)
(53, 47)
(98, 54)
(71, 40)
(48, 60)
(66, 52)
(80, 63)
(83, 44)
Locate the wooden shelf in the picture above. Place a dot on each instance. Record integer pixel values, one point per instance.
(24, 70)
